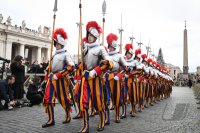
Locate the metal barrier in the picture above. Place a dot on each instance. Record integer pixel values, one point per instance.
(30, 75)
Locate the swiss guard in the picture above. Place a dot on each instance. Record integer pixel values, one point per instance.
(131, 72)
(114, 78)
(57, 83)
(96, 60)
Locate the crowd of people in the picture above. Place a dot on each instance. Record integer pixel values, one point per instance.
(12, 91)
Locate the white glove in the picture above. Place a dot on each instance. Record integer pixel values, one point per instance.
(139, 66)
(55, 77)
(92, 73)
(68, 77)
(77, 81)
(116, 78)
(126, 75)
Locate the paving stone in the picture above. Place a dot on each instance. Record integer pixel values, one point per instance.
(177, 114)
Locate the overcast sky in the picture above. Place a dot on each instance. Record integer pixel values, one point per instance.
(160, 22)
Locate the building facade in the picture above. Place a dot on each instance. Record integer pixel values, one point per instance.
(198, 70)
(174, 70)
(19, 40)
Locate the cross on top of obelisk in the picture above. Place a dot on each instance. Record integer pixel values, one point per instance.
(185, 24)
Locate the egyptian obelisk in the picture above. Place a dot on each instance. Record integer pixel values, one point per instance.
(185, 52)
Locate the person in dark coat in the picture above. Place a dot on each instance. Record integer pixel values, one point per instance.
(34, 93)
(18, 70)
(35, 67)
(6, 93)
(190, 83)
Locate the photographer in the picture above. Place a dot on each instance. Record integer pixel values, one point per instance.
(35, 67)
(6, 93)
(3, 68)
(34, 93)
(18, 70)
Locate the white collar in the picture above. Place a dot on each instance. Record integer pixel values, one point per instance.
(60, 50)
(113, 52)
(90, 45)
(131, 59)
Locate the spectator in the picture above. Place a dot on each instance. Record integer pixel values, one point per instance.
(18, 70)
(34, 94)
(42, 69)
(34, 67)
(190, 83)
(6, 93)
(26, 64)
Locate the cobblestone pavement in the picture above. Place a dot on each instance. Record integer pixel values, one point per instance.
(177, 114)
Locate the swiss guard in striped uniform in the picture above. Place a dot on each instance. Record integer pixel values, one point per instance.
(142, 81)
(96, 60)
(129, 77)
(57, 84)
(151, 81)
(114, 78)
(147, 78)
(77, 79)
(139, 87)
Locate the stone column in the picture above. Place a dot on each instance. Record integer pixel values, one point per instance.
(2, 49)
(8, 50)
(21, 50)
(39, 54)
(33, 56)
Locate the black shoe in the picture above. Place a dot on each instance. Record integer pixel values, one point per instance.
(77, 116)
(117, 121)
(122, 116)
(92, 114)
(133, 115)
(112, 108)
(130, 113)
(151, 104)
(100, 129)
(96, 113)
(67, 121)
(48, 125)
(107, 123)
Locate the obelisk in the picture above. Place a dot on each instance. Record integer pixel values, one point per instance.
(185, 52)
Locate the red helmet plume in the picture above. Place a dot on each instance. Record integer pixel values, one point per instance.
(94, 28)
(111, 37)
(129, 48)
(60, 36)
(144, 56)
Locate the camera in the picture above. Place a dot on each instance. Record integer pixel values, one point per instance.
(5, 60)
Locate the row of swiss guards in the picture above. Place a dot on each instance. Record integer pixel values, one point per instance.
(105, 80)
